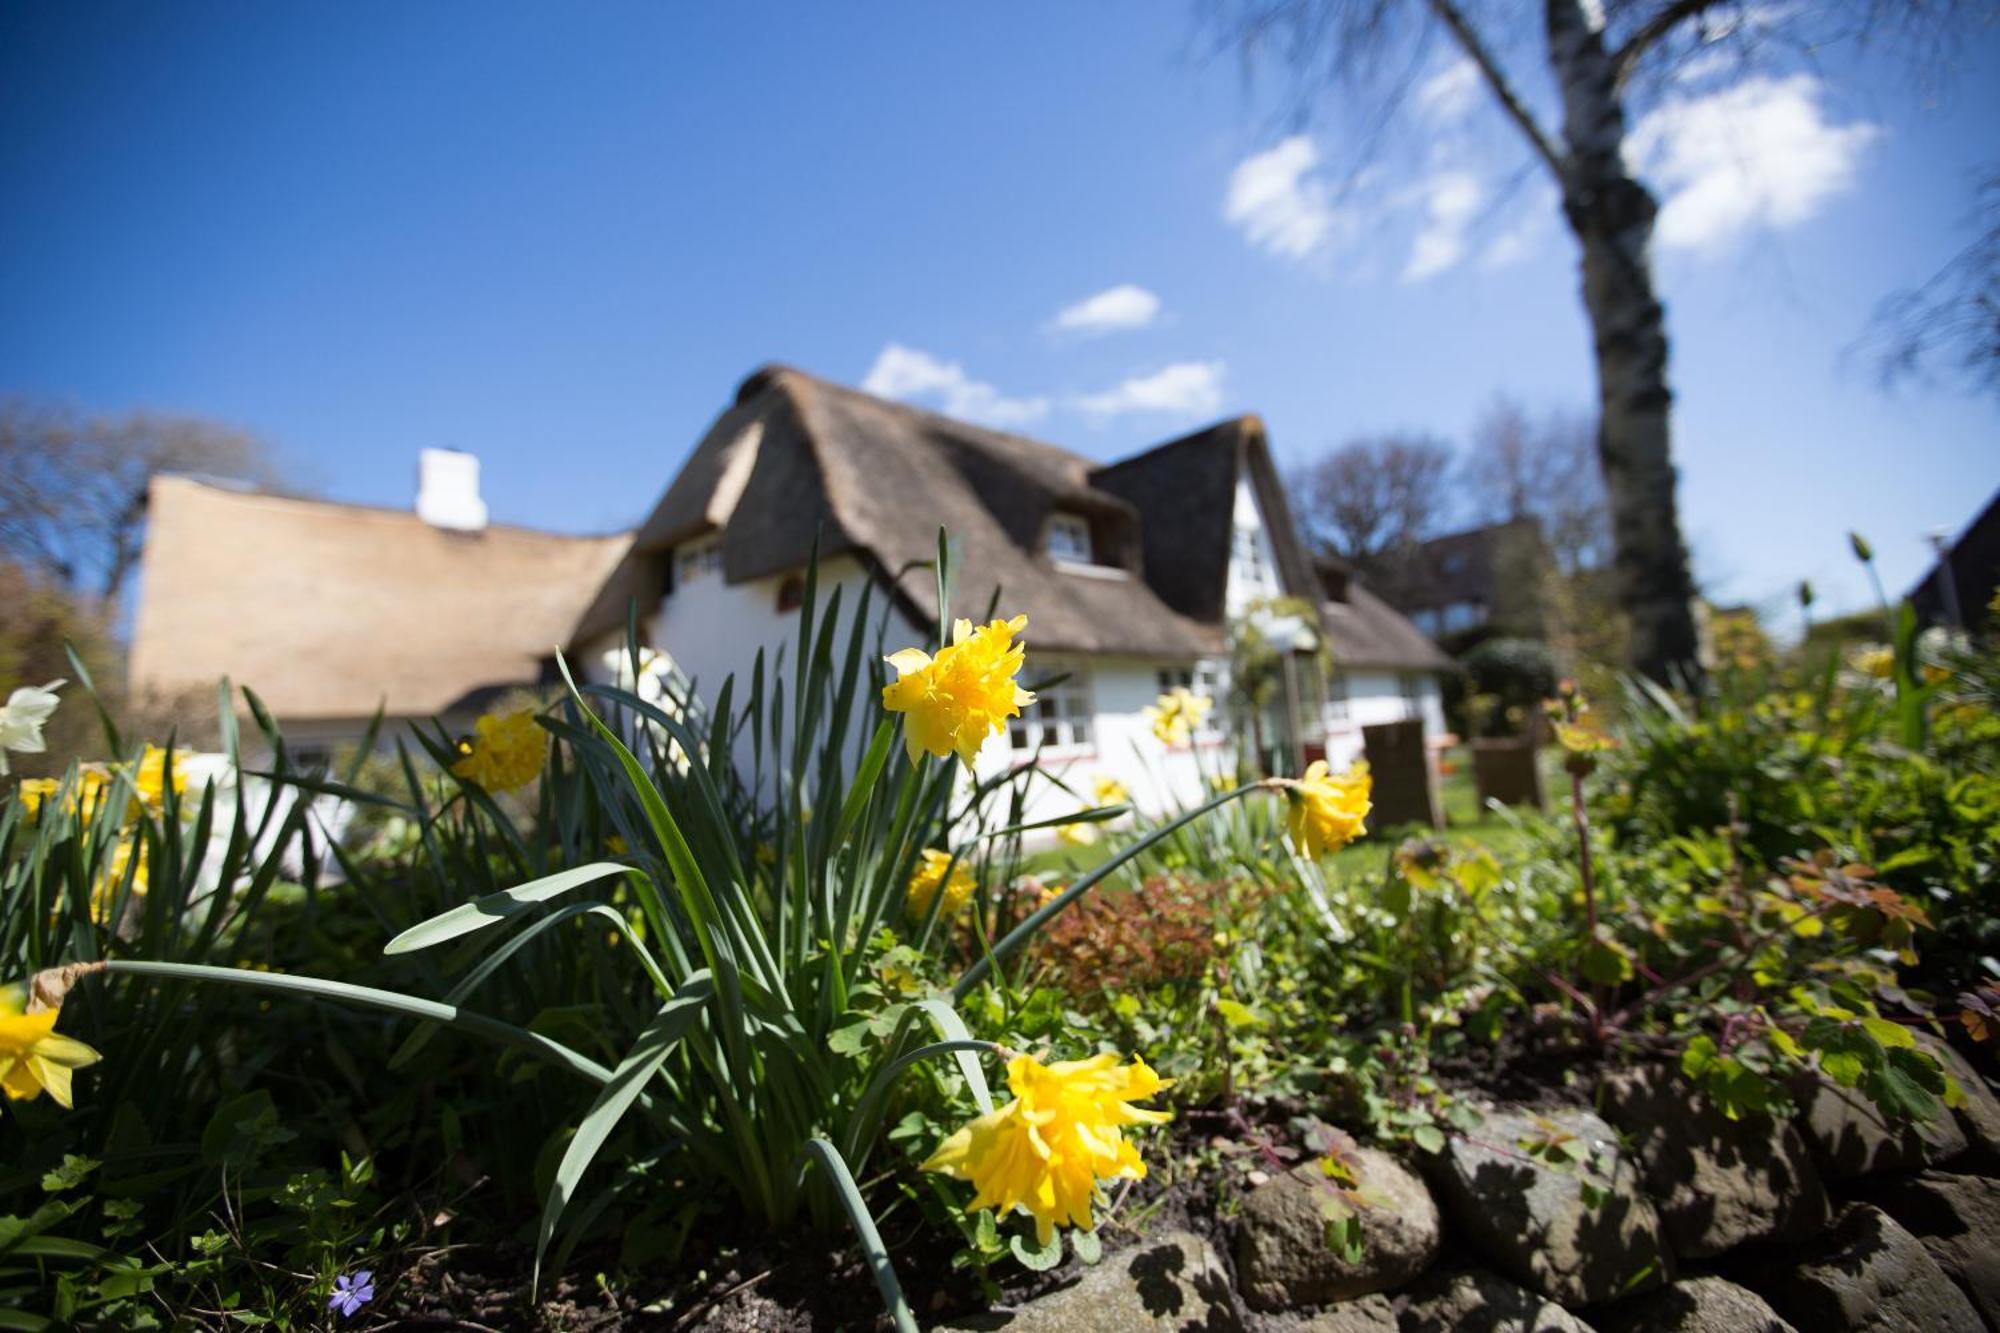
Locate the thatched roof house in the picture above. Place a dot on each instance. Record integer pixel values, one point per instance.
(330, 611)
(1130, 572)
(797, 458)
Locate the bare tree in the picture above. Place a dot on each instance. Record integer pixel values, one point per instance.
(73, 488)
(1601, 57)
(1542, 469)
(1951, 324)
(1373, 498)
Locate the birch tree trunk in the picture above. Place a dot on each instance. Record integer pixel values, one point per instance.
(1612, 216)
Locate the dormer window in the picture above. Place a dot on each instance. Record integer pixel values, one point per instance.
(1069, 539)
(694, 562)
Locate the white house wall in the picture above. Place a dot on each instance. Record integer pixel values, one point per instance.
(1250, 580)
(1375, 697)
(1122, 747)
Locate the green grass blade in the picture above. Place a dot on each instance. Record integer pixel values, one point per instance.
(368, 997)
(872, 1248)
(648, 1053)
(494, 908)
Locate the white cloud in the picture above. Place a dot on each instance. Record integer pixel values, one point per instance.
(1279, 201)
(1122, 307)
(1446, 96)
(1186, 388)
(1524, 238)
(1452, 200)
(1758, 153)
(907, 374)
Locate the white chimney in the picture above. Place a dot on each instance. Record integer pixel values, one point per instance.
(448, 490)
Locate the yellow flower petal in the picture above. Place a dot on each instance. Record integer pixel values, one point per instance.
(1045, 1152)
(954, 702)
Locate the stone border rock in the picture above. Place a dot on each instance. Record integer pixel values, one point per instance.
(1704, 1224)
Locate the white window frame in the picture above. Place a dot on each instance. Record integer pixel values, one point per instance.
(1337, 695)
(1069, 541)
(1247, 553)
(1063, 716)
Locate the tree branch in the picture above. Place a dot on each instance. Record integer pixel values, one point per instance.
(1650, 32)
(1476, 50)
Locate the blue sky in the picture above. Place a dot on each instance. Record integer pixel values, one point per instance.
(559, 236)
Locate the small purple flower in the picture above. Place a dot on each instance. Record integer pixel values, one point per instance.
(351, 1293)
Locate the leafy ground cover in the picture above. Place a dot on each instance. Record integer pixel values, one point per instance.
(626, 1010)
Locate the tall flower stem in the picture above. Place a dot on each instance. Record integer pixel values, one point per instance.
(1581, 818)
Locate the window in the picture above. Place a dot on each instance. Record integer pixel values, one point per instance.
(693, 562)
(1247, 554)
(1060, 715)
(1336, 696)
(1412, 686)
(791, 593)
(1463, 615)
(1069, 539)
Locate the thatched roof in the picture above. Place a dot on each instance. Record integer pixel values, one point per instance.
(1366, 632)
(328, 610)
(796, 455)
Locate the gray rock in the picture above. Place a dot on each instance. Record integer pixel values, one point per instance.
(1530, 1219)
(1481, 1302)
(1979, 1118)
(1282, 1255)
(1716, 1182)
(1850, 1138)
(1868, 1275)
(1369, 1314)
(1173, 1282)
(1694, 1305)
(1958, 1220)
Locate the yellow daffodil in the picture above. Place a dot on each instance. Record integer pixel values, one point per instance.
(1109, 791)
(1077, 835)
(152, 781)
(1582, 738)
(1877, 662)
(82, 800)
(111, 879)
(930, 875)
(952, 702)
(1328, 811)
(34, 1057)
(1045, 1151)
(1179, 713)
(504, 752)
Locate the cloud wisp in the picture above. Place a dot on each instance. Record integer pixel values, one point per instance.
(910, 375)
(1759, 153)
(1185, 389)
(1279, 200)
(1126, 306)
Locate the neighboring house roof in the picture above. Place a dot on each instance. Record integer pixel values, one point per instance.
(796, 456)
(1973, 564)
(1457, 567)
(1365, 631)
(329, 610)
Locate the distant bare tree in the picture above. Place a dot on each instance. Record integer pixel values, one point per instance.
(1600, 61)
(1951, 324)
(73, 487)
(1374, 497)
(1544, 469)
